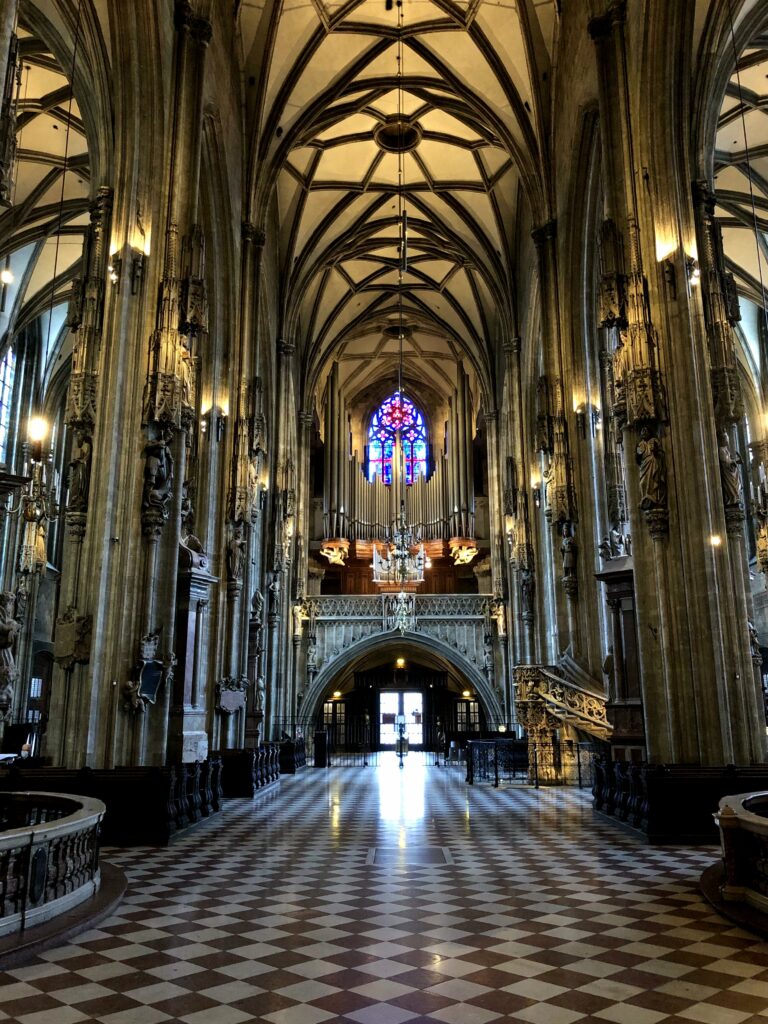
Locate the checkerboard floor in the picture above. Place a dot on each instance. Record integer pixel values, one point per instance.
(487, 906)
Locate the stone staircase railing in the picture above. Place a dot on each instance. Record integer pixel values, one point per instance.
(546, 700)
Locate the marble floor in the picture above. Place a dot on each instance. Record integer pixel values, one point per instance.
(379, 896)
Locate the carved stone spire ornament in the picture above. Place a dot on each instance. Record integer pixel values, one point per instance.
(85, 320)
(721, 308)
(639, 392)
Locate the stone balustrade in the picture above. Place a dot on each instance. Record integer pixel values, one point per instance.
(49, 856)
(743, 823)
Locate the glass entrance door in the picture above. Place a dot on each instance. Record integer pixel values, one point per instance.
(401, 702)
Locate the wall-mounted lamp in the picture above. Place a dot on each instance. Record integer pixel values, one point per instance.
(693, 270)
(37, 431)
(715, 540)
(114, 267)
(587, 413)
(337, 694)
(263, 488)
(221, 422)
(137, 270)
(466, 693)
(400, 662)
(536, 488)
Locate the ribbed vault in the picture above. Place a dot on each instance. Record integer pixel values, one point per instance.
(467, 82)
(47, 222)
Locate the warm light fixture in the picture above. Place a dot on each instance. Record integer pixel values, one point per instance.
(466, 693)
(37, 429)
(337, 693)
(6, 276)
(400, 663)
(536, 487)
(715, 540)
(693, 270)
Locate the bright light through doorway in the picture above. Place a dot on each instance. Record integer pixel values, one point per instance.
(393, 703)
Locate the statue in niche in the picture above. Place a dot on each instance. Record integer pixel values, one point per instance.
(274, 595)
(649, 455)
(158, 475)
(9, 631)
(80, 472)
(257, 608)
(604, 549)
(236, 554)
(253, 487)
(568, 551)
(616, 539)
(260, 695)
(298, 619)
(754, 643)
(527, 592)
(628, 545)
(730, 473)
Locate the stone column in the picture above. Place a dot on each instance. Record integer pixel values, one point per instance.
(560, 493)
(699, 698)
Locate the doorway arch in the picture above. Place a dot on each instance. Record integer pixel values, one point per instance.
(409, 645)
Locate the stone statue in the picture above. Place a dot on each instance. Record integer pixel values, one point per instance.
(649, 455)
(257, 608)
(298, 619)
(604, 549)
(527, 593)
(568, 551)
(312, 658)
(274, 595)
(132, 700)
(253, 488)
(236, 554)
(80, 472)
(628, 545)
(730, 473)
(9, 630)
(158, 476)
(616, 539)
(260, 695)
(754, 643)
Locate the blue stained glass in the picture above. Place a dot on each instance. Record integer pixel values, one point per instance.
(397, 414)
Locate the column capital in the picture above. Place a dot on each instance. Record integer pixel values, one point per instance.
(253, 235)
(511, 346)
(286, 347)
(200, 29)
(545, 233)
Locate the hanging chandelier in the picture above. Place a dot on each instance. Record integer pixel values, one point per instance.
(399, 568)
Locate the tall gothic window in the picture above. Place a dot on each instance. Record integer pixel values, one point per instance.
(7, 369)
(397, 413)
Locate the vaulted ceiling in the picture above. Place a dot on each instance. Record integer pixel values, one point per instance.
(45, 227)
(336, 86)
(741, 184)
